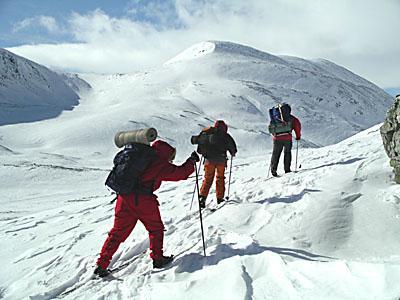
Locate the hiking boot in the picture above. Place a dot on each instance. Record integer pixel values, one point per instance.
(99, 271)
(202, 201)
(162, 262)
(273, 173)
(219, 201)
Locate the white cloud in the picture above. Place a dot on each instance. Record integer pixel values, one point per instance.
(21, 25)
(49, 23)
(360, 34)
(46, 22)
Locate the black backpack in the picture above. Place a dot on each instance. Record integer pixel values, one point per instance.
(129, 165)
(281, 120)
(204, 142)
(208, 141)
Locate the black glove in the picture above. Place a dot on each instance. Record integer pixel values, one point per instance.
(194, 156)
(297, 139)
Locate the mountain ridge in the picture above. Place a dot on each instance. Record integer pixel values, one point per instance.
(317, 89)
(31, 92)
(331, 102)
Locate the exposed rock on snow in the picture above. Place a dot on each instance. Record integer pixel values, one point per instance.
(390, 132)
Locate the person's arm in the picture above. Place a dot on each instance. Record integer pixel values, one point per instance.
(171, 172)
(231, 145)
(297, 127)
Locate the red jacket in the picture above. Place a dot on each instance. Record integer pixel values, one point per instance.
(296, 126)
(133, 207)
(163, 170)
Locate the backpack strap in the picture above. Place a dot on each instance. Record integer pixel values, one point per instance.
(280, 112)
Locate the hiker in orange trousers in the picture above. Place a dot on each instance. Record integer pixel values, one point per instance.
(219, 142)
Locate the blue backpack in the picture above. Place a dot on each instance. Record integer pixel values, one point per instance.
(281, 120)
(129, 165)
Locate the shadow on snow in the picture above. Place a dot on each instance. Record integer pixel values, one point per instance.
(194, 261)
(346, 162)
(288, 199)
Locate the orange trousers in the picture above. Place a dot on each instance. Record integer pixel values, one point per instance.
(209, 172)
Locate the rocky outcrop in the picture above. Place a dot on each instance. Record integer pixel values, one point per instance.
(390, 132)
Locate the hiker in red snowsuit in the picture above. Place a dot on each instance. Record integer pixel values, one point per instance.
(283, 142)
(133, 207)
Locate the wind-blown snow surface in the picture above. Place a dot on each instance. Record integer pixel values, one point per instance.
(330, 231)
(30, 92)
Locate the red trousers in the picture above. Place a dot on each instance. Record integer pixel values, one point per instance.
(209, 172)
(127, 213)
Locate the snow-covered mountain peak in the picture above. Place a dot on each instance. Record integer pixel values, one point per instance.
(211, 80)
(222, 48)
(223, 76)
(193, 52)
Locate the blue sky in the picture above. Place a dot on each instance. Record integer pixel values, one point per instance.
(86, 35)
(14, 12)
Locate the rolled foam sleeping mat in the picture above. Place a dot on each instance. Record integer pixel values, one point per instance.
(142, 136)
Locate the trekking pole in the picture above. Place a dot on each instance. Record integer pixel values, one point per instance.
(201, 216)
(297, 152)
(230, 175)
(194, 189)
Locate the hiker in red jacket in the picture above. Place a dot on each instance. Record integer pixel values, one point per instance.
(283, 141)
(133, 207)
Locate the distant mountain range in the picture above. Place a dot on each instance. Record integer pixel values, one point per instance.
(208, 81)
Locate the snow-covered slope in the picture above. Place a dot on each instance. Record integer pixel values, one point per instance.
(30, 92)
(322, 93)
(209, 81)
(330, 231)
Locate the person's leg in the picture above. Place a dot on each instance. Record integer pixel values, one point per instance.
(287, 159)
(220, 181)
(209, 172)
(276, 154)
(149, 215)
(124, 222)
